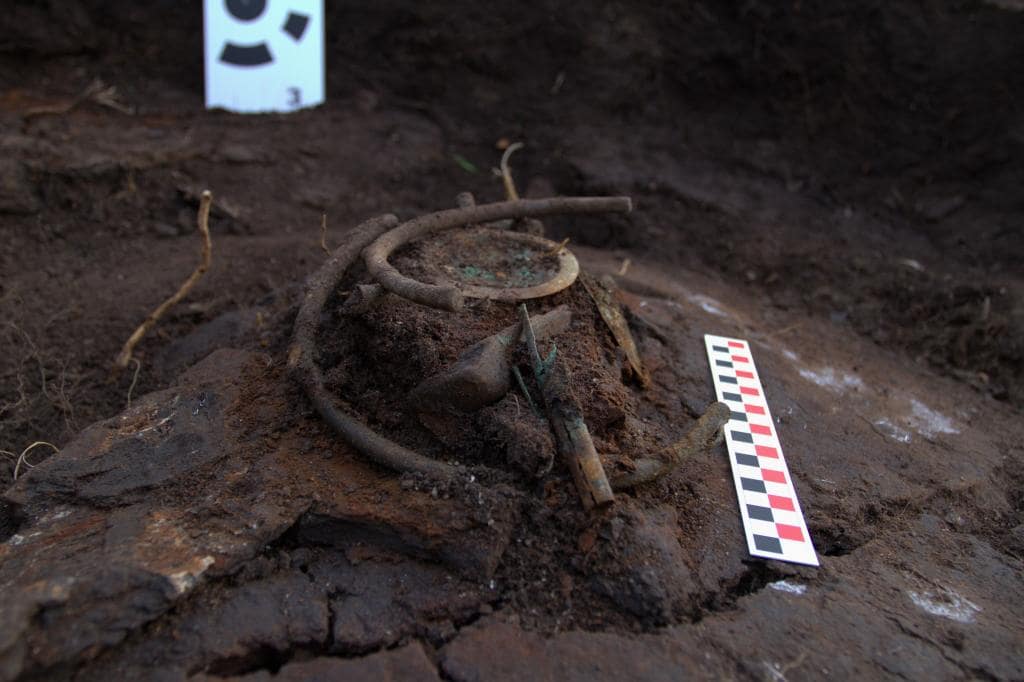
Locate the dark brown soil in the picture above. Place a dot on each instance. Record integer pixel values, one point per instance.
(837, 182)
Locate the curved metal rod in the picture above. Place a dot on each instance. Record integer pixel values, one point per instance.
(302, 363)
(303, 367)
(702, 435)
(449, 297)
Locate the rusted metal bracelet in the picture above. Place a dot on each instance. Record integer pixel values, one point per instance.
(302, 359)
(449, 297)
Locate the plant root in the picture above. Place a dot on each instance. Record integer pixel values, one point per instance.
(135, 378)
(323, 234)
(205, 200)
(506, 173)
(23, 458)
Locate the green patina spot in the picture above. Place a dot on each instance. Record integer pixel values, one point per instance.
(473, 272)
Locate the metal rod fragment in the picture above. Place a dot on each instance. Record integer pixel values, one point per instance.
(602, 294)
(525, 391)
(363, 298)
(697, 440)
(302, 363)
(530, 336)
(566, 419)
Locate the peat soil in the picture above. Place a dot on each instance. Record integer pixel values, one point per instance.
(837, 182)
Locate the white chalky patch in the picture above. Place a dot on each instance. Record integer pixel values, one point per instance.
(829, 378)
(912, 264)
(775, 671)
(707, 304)
(947, 604)
(928, 422)
(157, 425)
(897, 433)
(785, 586)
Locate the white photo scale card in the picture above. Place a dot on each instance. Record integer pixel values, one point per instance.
(263, 56)
(772, 520)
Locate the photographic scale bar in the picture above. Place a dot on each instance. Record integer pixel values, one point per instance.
(772, 519)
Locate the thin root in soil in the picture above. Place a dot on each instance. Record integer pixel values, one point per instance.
(23, 457)
(125, 356)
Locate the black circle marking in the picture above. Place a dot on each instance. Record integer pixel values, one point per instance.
(246, 10)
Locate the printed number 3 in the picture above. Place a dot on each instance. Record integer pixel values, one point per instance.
(294, 97)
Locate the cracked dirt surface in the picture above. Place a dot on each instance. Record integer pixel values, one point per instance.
(241, 550)
(822, 181)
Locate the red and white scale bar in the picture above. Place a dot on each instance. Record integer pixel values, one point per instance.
(772, 518)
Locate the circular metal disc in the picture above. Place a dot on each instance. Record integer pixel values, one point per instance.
(500, 265)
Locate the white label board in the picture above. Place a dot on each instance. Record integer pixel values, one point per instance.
(264, 55)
